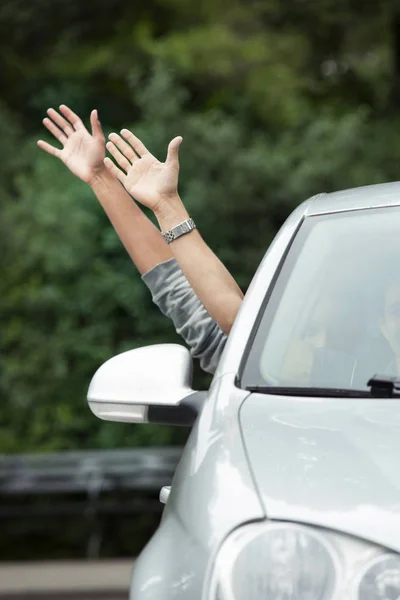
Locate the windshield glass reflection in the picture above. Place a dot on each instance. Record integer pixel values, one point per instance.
(333, 319)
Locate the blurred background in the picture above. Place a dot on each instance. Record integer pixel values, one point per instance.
(276, 101)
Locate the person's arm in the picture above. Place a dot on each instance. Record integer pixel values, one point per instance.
(169, 288)
(140, 171)
(209, 278)
(175, 298)
(141, 238)
(83, 153)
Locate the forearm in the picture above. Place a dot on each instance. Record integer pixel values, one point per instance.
(138, 234)
(170, 290)
(211, 281)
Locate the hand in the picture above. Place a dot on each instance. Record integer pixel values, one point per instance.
(83, 153)
(148, 180)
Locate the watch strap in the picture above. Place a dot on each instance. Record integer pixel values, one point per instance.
(179, 230)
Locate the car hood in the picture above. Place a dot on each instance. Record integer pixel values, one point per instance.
(333, 463)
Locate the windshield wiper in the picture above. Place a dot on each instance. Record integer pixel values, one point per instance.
(381, 386)
(309, 391)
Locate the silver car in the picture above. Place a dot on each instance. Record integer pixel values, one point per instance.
(289, 485)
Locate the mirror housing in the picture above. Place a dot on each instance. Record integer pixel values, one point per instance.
(146, 385)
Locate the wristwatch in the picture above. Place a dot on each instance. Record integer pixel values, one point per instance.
(179, 230)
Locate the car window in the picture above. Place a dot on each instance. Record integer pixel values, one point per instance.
(333, 317)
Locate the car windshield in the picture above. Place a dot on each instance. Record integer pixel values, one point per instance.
(333, 317)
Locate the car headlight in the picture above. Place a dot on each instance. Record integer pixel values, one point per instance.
(282, 561)
(381, 579)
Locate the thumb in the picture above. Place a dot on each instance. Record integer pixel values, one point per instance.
(97, 130)
(173, 152)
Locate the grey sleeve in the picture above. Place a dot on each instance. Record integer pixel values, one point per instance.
(174, 296)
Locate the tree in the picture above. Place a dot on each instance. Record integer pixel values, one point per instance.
(264, 127)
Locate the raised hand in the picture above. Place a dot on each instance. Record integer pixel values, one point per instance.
(83, 153)
(147, 179)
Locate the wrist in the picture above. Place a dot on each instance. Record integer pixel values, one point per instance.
(100, 177)
(170, 212)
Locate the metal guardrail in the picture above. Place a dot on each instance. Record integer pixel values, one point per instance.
(146, 469)
(88, 483)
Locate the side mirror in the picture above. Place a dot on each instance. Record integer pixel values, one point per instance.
(146, 385)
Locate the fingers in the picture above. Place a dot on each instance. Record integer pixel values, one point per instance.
(97, 130)
(125, 148)
(60, 122)
(58, 134)
(114, 170)
(72, 117)
(49, 148)
(134, 141)
(173, 152)
(119, 157)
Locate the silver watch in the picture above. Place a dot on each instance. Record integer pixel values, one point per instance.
(180, 229)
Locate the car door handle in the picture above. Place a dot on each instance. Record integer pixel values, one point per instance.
(164, 494)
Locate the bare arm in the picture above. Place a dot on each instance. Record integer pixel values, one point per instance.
(212, 282)
(141, 238)
(83, 153)
(169, 288)
(209, 278)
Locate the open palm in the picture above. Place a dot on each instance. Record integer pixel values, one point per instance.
(147, 179)
(83, 153)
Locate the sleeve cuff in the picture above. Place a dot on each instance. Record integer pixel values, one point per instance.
(158, 274)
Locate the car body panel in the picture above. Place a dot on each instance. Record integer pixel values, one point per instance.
(369, 196)
(324, 462)
(212, 493)
(255, 295)
(172, 565)
(327, 462)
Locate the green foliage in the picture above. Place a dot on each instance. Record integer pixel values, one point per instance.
(70, 299)
(275, 102)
